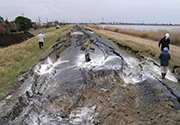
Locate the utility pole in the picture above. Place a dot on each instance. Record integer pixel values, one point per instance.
(39, 19)
(39, 22)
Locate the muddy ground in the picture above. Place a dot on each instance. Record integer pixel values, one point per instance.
(10, 39)
(72, 95)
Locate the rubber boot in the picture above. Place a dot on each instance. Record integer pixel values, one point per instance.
(163, 75)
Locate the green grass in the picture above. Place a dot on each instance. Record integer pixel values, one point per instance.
(24, 55)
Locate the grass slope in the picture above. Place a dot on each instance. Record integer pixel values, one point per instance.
(18, 58)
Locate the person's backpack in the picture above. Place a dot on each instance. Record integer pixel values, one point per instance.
(1, 20)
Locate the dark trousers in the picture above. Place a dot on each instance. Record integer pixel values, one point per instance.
(40, 45)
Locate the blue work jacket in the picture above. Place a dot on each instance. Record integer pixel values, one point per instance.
(164, 57)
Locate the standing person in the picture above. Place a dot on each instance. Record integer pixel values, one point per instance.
(164, 57)
(40, 38)
(1, 25)
(164, 42)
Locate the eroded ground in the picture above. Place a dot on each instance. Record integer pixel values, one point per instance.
(10, 39)
(86, 80)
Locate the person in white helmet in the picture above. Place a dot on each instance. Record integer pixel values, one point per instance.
(164, 42)
(40, 38)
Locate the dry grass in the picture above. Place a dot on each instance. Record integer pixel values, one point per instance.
(153, 35)
(20, 57)
(146, 47)
(94, 26)
(11, 55)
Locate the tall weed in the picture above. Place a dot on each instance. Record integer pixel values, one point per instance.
(153, 35)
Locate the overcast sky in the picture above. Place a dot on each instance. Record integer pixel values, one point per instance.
(94, 11)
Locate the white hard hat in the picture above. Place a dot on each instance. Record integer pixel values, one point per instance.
(167, 35)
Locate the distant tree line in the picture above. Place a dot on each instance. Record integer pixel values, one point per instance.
(19, 24)
(22, 23)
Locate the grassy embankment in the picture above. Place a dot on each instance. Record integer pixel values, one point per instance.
(146, 42)
(20, 57)
(153, 35)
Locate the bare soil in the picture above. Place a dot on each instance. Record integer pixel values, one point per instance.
(10, 39)
(121, 104)
(140, 104)
(129, 105)
(118, 104)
